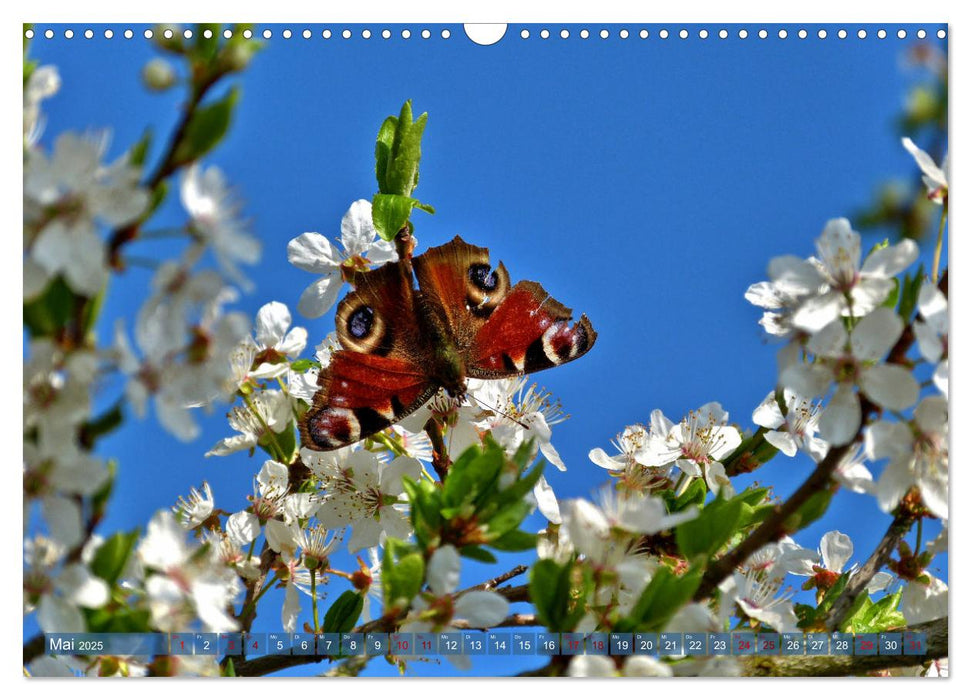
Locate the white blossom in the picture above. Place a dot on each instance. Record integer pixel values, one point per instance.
(44, 82)
(313, 253)
(850, 360)
(196, 509)
(180, 584)
(918, 456)
(924, 601)
(931, 331)
(695, 445)
(834, 284)
(796, 430)
(935, 177)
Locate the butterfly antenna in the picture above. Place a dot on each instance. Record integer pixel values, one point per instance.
(497, 410)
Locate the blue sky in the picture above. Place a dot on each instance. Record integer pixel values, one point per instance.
(645, 183)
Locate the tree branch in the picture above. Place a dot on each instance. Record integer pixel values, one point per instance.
(849, 665)
(858, 582)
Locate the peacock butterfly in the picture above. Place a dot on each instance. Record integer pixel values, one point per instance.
(399, 344)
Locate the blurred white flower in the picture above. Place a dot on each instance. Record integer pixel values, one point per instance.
(918, 456)
(434, 610)
(835, 284)
(313, 253)
(58, 597)
(44, 82)
(215, 212)
(923, 602)
(181, 585)
(66, 196)
(935, 178)
(931, 330)
(850, 360)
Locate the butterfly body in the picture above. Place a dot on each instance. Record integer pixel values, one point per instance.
(399, 344)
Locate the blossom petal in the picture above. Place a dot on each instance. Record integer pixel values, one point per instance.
(836, 549)
(546, 501)
(357, 228)
(443, 570)
(841, 418)
(891, 260)
(782, 441)
(829, 341)
(768, 414)
(312, 252)
(816, 312)
(601, 459)
(808, 380)
(317, 299)
(875, 334)
(482, 608)
(890, 386)
(272, 322)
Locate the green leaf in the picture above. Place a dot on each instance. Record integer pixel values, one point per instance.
(403, 578)
(139, 152)
(662, 598)
(468, 478)
(706, 534)
(46, 314)
(106, 423)
(508, 518)
(402, 169)
(229, 670)
(521, 487)
(514, 541)
(891, 301)
(343, 614)
(205, 49)
(549, 590)
(302, 365)
(694, 495)
(382, 151)
(390, 213)
(910, 293)
(111, 557)
(478, 554)
(206, 128)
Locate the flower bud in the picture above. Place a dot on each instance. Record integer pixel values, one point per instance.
(158, 75)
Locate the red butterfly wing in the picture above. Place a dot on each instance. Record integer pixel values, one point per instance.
(528, 331)
(362, 394)
(381, 374)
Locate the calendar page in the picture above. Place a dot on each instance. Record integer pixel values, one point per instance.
(383, 350)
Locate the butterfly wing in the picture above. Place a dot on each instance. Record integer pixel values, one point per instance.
(501, 330)
(380, 373)
(528, 331)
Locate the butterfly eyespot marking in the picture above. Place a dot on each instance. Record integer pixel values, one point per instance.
(483, 277)
(360, 322)
(485, 287)
(361, 328)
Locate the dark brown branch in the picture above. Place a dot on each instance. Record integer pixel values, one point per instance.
(858, 582)
(777, 666)
(515, 594)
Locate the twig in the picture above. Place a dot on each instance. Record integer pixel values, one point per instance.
(501, 578)
(515, 620)
(858, 582)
